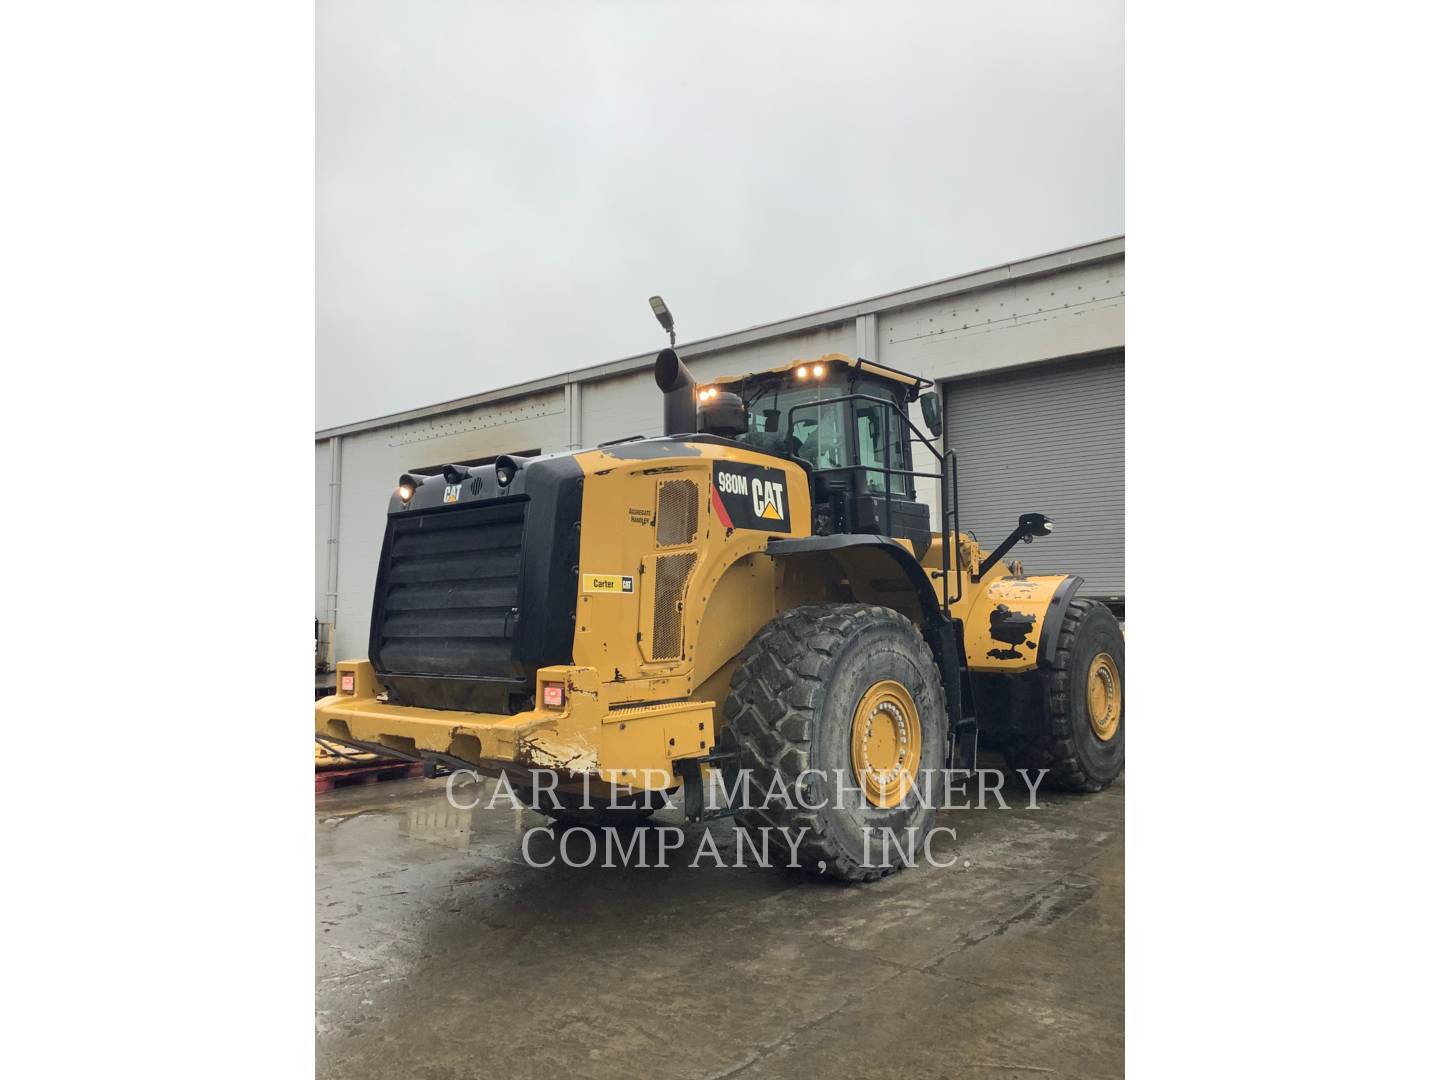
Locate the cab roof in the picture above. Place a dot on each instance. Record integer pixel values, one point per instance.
(868, 367)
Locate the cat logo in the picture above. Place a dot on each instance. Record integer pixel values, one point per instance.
(452, 493)
(750, 497)
(769, 500)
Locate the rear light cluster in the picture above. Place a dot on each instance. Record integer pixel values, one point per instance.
(347, 682)
(552, 694)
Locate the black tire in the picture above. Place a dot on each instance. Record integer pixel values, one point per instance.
(1062, 739)
(792, 700)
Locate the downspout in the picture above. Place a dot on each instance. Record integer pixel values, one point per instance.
(332, 551)
(572, 415)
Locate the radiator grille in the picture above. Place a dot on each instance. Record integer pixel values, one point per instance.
(672, 572)
(449, 592)
(677, 513)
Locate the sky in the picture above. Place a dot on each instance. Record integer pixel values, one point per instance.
(501, 186)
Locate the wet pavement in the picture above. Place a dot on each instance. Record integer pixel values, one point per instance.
(441, 954)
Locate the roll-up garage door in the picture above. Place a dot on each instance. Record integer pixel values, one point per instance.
(1048, 438)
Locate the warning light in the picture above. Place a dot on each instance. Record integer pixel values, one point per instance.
(553, 694)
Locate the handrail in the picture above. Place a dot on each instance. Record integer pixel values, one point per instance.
(921, 382)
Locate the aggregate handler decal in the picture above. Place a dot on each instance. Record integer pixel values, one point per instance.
(609, 583)
(750, 497)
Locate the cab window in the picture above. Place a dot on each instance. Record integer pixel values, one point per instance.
(819, 436)
(870, 433)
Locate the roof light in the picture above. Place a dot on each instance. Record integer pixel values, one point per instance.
(802, 371)
(818, 370)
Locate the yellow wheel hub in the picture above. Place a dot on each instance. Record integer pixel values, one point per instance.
(1102, 694)
(885, 743)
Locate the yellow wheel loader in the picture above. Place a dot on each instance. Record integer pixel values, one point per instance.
(757, 595)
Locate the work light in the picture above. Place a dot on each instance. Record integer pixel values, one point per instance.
(408, 486)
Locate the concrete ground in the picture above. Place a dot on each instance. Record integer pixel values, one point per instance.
(441, 954)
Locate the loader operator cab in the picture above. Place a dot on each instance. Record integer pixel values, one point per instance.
(843, 418)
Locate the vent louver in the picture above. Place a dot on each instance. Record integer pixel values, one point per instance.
(677, 513)
(672, 573)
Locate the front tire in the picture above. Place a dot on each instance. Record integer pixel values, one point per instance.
(847, 689)
(1079, 734)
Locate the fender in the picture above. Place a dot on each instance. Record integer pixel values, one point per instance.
(855, 550)
(1014, 624)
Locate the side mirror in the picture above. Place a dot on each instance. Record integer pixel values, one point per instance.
(772, 419)
(930, 410)
(1033, 525)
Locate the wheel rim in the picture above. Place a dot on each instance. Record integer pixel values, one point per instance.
(885, 743)
(1102, 694)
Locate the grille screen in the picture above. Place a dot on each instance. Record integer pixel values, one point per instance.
(671, 574)
(677, 513)
(449, 592)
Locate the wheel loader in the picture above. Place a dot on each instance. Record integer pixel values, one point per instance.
(756, 594)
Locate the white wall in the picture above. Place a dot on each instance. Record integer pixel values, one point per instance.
(322, 524)
(1072, 311)
(618, 407)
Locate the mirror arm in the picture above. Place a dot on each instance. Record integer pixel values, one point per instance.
(996, 555)
(1023, 531)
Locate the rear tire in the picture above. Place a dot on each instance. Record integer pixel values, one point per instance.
(793, 707)
(1079, 735)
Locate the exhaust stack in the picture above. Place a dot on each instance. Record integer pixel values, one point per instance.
(678, 386)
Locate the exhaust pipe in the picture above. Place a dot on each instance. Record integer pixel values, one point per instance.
(678, 386)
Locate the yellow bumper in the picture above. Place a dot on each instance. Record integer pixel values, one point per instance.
(636, 746)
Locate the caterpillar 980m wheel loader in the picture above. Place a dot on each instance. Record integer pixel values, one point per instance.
(758, 591)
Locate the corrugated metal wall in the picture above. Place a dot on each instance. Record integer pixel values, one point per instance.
(1048, 438)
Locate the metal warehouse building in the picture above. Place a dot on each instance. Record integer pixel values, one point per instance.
(1030, 357)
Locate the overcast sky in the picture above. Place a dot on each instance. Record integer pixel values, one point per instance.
(502, 185)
